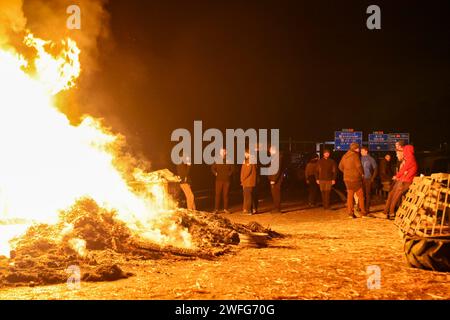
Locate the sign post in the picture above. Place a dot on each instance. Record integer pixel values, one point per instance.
(343, 139)
(395, 137)
(379, 141)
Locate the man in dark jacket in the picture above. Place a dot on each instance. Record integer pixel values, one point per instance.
(386, 174)
(222, 170)
(276, 180)
(403, 180)
(352, 168)
(310, 176)
(326, 177)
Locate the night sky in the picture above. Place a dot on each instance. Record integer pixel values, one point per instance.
(306, 67)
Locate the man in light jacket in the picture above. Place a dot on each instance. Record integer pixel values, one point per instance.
(370, 168)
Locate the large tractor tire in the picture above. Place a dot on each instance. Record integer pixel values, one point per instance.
(429, 254)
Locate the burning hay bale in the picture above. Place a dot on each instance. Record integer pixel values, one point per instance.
(94, 240)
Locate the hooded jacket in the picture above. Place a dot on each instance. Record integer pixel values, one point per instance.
(351, 166)
(409, 169)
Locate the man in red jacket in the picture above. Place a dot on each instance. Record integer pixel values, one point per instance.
(403, 180)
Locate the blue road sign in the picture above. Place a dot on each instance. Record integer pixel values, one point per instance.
(379, 142)
(343, 139)
(394, 137)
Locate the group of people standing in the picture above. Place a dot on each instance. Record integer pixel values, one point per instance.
(223, 171)
(359, 176)
(359, 170)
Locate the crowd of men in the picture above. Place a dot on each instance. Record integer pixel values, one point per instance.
(360, 172)
(249, 179)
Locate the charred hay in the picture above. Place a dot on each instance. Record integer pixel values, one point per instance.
(92, 239)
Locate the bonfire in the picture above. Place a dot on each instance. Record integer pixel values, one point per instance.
(70, 196)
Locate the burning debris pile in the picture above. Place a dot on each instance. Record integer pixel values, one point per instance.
(95, 241)
(71, 196)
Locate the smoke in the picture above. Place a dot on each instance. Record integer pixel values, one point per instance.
(12, 20)
(47, 19)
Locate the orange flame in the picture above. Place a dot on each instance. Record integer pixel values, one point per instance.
(46, 163)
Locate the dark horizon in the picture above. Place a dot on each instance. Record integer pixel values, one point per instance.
(307, 69)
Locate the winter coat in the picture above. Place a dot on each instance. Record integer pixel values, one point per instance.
(222, 171)
(351, 166)
(386, 172)
(311, 168)
(409, 169)
(326, 170)
(277, 177)
(248, 174)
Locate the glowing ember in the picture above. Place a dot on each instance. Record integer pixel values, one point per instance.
(47, 163)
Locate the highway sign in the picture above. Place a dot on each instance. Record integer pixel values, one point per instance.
(394, 137)
(343, 139)
(379, 142)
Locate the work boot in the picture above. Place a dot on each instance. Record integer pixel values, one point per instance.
(352, 216)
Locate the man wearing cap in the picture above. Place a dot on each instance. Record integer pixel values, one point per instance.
(353, 171)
